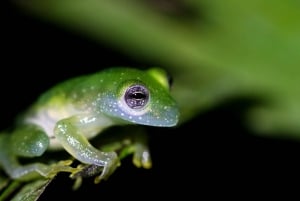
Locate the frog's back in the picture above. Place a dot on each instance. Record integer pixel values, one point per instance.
(59, 93)
(74, 90)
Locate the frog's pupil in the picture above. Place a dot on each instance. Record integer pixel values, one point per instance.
(136, 96)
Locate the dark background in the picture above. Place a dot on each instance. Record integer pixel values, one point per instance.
(214, 154)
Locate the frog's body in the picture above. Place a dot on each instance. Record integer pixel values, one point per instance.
(61, 103)
(72, 112)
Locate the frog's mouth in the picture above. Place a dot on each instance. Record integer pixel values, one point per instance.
(166, 117)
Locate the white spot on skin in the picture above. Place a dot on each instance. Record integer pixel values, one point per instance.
(87, 120)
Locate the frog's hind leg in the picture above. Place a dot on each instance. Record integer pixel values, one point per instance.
(28, 141)
(18, 143)
(10, 164)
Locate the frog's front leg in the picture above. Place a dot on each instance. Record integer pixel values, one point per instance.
(127, 141)
(138, 146)
(71, 132)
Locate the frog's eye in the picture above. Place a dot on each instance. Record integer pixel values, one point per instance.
(136, 96)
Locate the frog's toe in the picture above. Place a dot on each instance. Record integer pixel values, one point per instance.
(86, 170)
(61, 166)
(108, 169)
(142, 158)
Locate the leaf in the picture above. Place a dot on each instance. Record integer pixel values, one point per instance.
(25, 191)
(4, 181)
(8, 188)
(31, 191)
(215, 49)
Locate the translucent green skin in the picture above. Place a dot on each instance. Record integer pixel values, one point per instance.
(70, 113)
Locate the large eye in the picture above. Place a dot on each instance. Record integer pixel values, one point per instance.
(136, 96)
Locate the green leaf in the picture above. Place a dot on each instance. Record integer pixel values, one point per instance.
(4, 181)
(215, 49)
(8, 188)
(22, 191)
(31, 191)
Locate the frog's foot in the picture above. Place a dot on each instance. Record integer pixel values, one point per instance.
(61, 166)
(141, 157)
(103, 172)
(31, 171)
(108, 169)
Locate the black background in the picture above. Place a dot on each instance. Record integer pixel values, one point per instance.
(212, 155)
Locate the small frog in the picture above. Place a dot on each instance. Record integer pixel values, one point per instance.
(71, 113)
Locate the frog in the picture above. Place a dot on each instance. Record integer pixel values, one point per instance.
(72, 113)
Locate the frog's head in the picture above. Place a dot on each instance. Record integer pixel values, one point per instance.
(141, 97)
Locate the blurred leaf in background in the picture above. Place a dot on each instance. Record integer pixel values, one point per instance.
(219, 53)
(215, 49)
